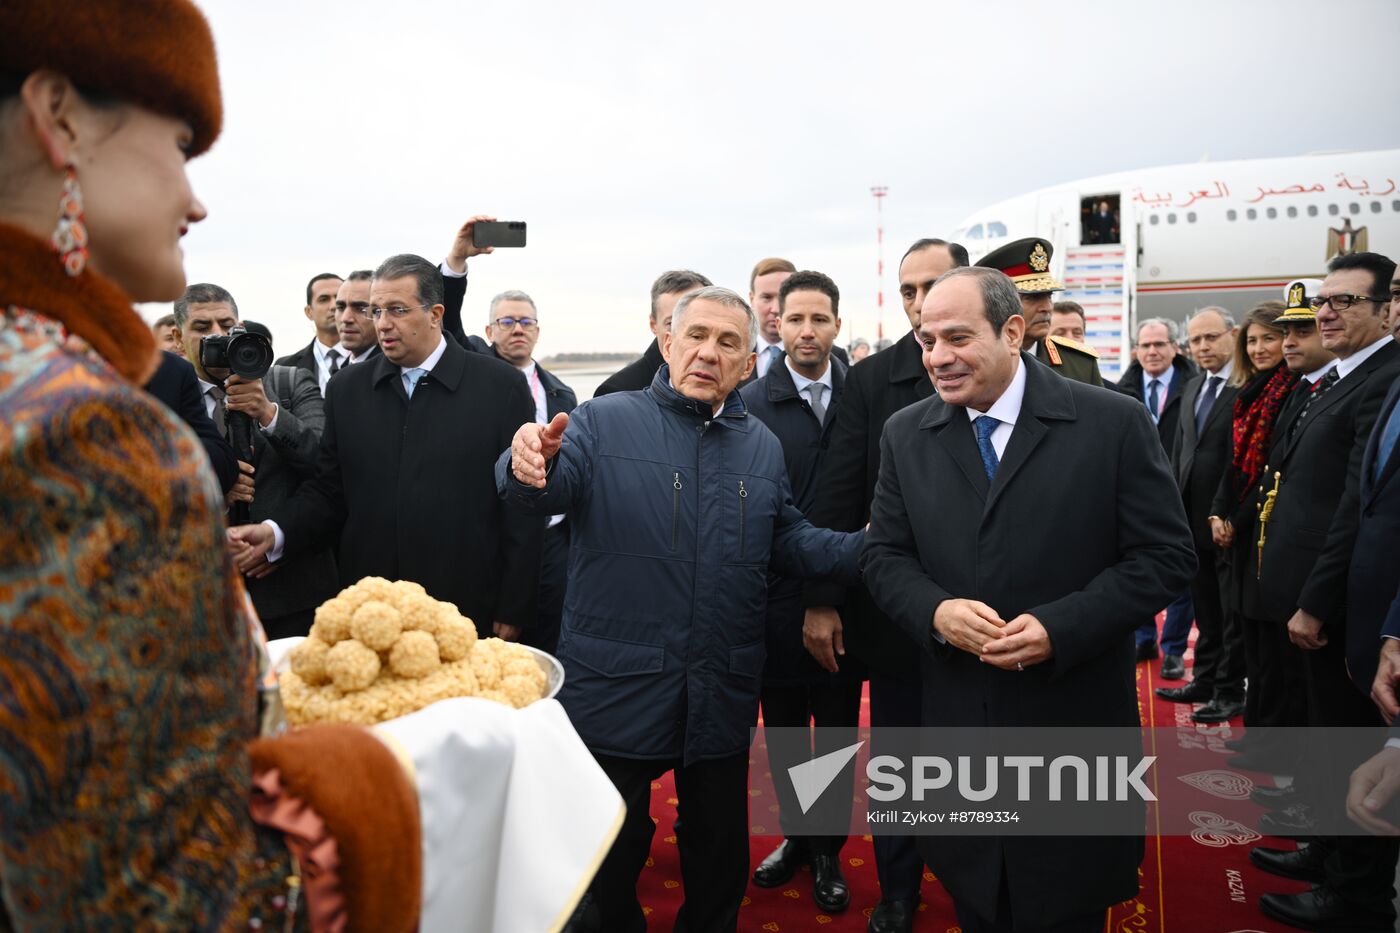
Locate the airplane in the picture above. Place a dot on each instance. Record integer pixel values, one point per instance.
(1160, 242)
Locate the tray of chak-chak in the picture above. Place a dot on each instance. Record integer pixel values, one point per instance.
(380, 650)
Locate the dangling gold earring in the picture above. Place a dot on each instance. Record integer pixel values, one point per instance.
(70, 236)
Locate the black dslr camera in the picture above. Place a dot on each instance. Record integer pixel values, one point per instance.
(242, 352)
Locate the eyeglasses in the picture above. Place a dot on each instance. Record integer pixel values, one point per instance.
(396, 312)
(509, 322)
(360, 308)
(1342, 302)
(1201, 339)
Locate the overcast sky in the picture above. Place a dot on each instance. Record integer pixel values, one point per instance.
(636, 137)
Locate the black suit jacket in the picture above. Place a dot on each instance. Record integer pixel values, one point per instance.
(1199, 461)
(1312, 531)
(1373, 580)
(407, 489)
(175, 384)
(558, 397)
(876, 388)
(636, 374)
(1131, 383)
(305, 358)
(775, 401)
(1109, 546)
(282, 460)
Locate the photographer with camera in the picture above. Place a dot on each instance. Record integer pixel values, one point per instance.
(273, 416)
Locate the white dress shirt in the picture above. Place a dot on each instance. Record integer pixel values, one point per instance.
(1349, 365)
(765, 358)
(1164, 387)
(804, 385)
(323, 361)
(1005, 409)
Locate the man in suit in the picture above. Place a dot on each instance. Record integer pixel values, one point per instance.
(798, 401)
(839, 616)
(168, 335)
(405, 484)
(286, 411)
(1156, 378)
(174, 383)
(1201, 451)
(358, 339)
(668, 289)
(513, 329)
(1027, 263)
(1020, 606)
(1310, 535)
(320, 357)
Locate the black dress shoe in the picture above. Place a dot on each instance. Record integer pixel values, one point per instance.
(1147, 651)
(893, 917)
(1304, 864)
(829, 888)
(1218, 710)
(1191, 693)
(1289, 823)
(1173, 668)
(781, 864)
(1322, 909)
(1275, 798)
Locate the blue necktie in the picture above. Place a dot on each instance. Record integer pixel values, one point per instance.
(984, 426)
(1207, 403)
(1388, 438)
(410, 380)
(1153, 397)
(774, 352)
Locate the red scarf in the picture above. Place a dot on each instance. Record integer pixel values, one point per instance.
(1255, 414)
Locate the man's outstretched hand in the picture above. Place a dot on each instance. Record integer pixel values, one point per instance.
(462, 247)
(533, 446)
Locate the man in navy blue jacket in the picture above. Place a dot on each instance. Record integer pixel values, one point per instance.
(679, 503)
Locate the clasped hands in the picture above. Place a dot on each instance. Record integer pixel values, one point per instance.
(975, 627)
(533, 446)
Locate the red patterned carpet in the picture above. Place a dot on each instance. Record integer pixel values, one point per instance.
(1189, 884)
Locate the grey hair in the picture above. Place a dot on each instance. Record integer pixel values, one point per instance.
(1000, 300)
(360, 275)
(1173, 331)
(1225, 315)
(201, 293)
(513, 294)
(719, 295)
(427, 276)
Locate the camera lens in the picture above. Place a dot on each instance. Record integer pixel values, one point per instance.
(250, 355)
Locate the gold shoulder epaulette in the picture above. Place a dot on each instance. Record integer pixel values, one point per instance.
(1073, 345)
(1053, 352)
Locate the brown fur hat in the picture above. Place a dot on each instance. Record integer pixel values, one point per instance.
(156, 53)
(353, 782)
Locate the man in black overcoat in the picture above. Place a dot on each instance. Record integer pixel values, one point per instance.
(405, 484)
(1021, 605)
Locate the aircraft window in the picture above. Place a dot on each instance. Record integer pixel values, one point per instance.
(1333, 210)
(975, 233)
(1375, 207)
(1232, 214)
(1190, 217)
(1292, 212)
(1252, 214)
(1312, 210)
(1154, 220)
(1171, 218)
(996, 228)
(1395, 205)
(1272, 213)
(1354, 207)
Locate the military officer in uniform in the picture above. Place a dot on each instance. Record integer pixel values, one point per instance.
(1027, 263)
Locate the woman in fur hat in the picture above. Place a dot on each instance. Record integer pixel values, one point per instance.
(128, 677)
